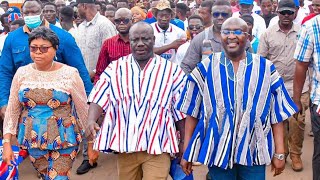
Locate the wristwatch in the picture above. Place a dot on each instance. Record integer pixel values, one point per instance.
(279, 156)
(5, 141)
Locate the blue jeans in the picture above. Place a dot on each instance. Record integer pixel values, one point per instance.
(238, 172)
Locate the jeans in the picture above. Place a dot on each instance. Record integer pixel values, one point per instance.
(238, 172)
(85, 149)
(315, 124)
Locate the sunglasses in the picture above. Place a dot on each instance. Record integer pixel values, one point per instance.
(42, 49)
(218, 14)
(288, 12)
(197, 27)
(235, 32)
(125, 21)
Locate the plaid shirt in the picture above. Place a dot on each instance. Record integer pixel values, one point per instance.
(308, 50)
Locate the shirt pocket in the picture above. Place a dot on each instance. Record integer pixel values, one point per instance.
(19, 55)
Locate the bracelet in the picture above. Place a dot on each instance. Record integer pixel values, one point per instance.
(5, 141)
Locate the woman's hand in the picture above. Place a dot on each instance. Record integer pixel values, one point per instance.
(7, 155)
(186, 166)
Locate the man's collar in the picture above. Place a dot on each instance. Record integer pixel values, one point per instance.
(93, 20)
(293, 28)
(118, 38)
(161, 30)
(27, 30)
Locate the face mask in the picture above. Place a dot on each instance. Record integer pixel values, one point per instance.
(33, 21)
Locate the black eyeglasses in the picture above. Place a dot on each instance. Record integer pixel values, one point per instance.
(197, 27)
(315, 5)
(42, 49)
(218, 14)
(237, 32)
(125, 21)
(288, 12)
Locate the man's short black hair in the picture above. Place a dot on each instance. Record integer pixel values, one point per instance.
(208, 4)
(126, 1)
(67, 13)
(222, 3)
(195, 16)
(182, 8)
(112, 8)
(2, 17)
(50, 3)
(102, 6)
(20, 22)
(5, 2)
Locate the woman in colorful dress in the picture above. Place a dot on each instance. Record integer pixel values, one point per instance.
(47, 105)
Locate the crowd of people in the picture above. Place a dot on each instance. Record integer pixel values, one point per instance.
(223, 83)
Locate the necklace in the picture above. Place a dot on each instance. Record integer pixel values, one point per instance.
(45, 70)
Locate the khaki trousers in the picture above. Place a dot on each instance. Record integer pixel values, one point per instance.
(294, 128)
(141, 165)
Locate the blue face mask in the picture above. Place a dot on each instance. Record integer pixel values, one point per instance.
(33, 21)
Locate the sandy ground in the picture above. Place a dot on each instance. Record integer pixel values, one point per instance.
(107, 167)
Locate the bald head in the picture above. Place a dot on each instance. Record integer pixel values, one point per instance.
(140, 27)
(235, 22)
(123, 12)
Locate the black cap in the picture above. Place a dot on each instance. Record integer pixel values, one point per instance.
(86, 1)
(286, 5)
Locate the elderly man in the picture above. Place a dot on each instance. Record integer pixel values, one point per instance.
(137, 94)
(16, 50)
(308, 53)
(168, 37)
(278, 44)
(118, 45)
(209, 40)
(235, 102)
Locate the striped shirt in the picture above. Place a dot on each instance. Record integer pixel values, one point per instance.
(139, 106)
(235, 111)
(112, 49)
(308, 50)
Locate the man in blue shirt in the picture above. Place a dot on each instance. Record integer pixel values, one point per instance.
(16, 51)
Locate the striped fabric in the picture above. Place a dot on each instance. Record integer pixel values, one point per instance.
(235, 111)
(308, 50)
(139, 106)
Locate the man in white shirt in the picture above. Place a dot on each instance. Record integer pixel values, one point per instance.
(246, 7)
(168, 37)
(195, 27)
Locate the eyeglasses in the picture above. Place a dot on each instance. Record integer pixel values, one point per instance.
(42, 49)
(125, 21)
(235, 32)
(288, 12)
(197, 27)
(218, 14)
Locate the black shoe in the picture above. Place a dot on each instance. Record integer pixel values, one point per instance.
(85, 167)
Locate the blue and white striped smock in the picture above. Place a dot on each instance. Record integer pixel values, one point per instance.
(235, 112)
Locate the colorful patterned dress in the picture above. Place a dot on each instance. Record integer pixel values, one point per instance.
(49, 110)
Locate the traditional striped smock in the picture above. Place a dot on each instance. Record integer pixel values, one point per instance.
(139, 106)
(235, 111)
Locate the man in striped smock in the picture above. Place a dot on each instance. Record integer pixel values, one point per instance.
(235, 103)
(137, 94)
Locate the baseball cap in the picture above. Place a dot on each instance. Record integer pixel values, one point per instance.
(14, 16)
(249, 2)
(286, 5)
